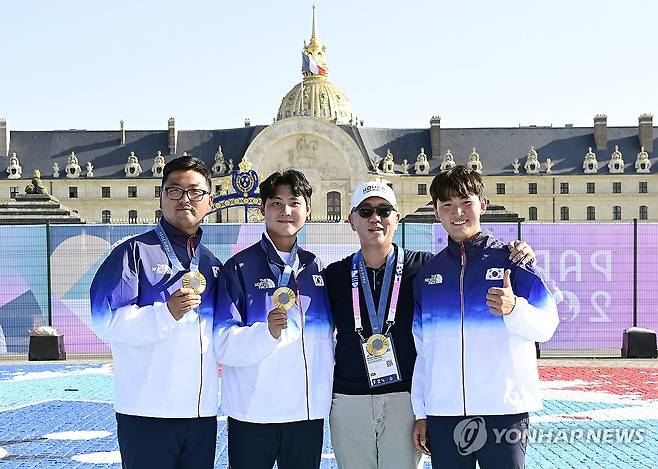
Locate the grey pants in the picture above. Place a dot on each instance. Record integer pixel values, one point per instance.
(373, 432)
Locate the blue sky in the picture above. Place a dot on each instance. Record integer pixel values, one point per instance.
(211, 64)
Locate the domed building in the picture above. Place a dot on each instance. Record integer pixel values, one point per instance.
(315, 96)
(541, 173)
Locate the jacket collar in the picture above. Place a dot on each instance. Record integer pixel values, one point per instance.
(477, 243)
(305, 257)
(177, 237)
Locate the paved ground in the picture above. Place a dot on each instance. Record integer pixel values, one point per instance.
(598, 414)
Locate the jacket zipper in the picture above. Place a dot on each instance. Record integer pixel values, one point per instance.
(301, 322)
(462, 252)
(190, 249)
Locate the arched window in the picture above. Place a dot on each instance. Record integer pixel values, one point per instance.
(532, 213)
(106, 216)
(158, 215)
(564, 213)
(644, 212)
(333, 206)
(616, 212)
(132, 216)
(591, 213)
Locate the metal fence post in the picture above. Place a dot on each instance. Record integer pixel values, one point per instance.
(404, 234)
(634, 272)
(48, 274)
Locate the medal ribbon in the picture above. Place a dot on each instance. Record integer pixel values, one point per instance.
(282, 278)
(359, 272)
(171, 254)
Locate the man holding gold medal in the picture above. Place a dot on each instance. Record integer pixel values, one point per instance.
(273, 334)
(371, 415)
(153, 301)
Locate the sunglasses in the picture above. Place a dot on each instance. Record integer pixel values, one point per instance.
(383, 211)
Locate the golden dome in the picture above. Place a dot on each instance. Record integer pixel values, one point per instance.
(316, 96)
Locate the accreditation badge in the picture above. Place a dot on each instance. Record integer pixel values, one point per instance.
(381, 363)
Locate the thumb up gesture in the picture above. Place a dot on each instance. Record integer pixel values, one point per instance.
(501, 301)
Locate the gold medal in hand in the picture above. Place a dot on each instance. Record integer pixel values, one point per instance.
(195, 281)
(284, 298)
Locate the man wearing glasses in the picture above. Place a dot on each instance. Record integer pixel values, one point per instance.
(152, 300)
(371, 417)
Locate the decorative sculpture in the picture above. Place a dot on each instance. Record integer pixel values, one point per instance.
(72, 167)
(132, 168)
(448, 161)
(532, 165)
(36, 186)
(642, 163)
(14, 169)
(616, 164)
(590, 164)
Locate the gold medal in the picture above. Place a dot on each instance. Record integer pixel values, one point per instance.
(284, 298)
(377, 345)
(194, 280)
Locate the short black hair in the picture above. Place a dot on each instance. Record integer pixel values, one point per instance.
(298, 183)
(458, 181)
(187, 163)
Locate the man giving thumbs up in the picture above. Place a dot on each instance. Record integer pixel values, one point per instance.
(477, 315)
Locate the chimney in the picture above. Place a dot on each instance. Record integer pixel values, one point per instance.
(4, 138)
(645, 131)
(601, 131)
(123, 133)
(435, 136)
(247, 122)
(173, 136)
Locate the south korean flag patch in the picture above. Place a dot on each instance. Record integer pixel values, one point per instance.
(318, 280)
(495, 273)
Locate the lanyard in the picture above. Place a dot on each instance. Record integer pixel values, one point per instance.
(359, 271)
(282, 277)
(169, 251)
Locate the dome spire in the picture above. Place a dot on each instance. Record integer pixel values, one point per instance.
(315, 49)
(314, 27)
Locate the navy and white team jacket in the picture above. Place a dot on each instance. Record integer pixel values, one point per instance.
(268, 380)
(163, 367)
(470, 361)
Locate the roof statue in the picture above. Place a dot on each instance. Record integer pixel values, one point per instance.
(474, 161)
(389, 165)
(548, 165)
(132, 167)
(448, 161)
(516, 165)
(14, 169)
(422, 166)
(532, 165)
(73, 169)
(316, 96)
(158, 164)
(590, 165)
(219, 166)
(616, 163)
(642, 163)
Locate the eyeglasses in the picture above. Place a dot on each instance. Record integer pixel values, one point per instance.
(383, 211)
(176, 193)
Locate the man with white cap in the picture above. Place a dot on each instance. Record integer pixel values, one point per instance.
(371, 416)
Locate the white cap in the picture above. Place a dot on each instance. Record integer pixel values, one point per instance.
(366, 190)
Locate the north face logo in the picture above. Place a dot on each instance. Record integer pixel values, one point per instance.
(265, 283)
(162, 269)
(434, 279)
